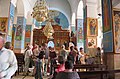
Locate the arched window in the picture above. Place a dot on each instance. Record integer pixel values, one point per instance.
(80, 10)
(51, 44)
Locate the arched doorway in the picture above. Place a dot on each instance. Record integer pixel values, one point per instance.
(51, 44)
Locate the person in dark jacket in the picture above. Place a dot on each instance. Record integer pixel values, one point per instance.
(38, 66)
(68, 73)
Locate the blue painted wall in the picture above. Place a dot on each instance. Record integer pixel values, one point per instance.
(61, 20)
(20, 30)
(10, 22)
(80, 40)
(108, 41)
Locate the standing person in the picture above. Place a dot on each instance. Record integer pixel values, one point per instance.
(68, 73)
(8, 45)
(72, 55)
(61, 66)
(7, 60)
(82, 56)
(38, 66)
(63, 52)
(27, 58)
(36, 50)
(77, 55)
(53, 57)
(26, 46)
(98, 55)
(46, 50)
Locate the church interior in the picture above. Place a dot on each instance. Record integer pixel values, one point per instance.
(92, 25)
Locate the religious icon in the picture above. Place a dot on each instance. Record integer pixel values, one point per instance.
(19, 33)
(116, 22)
(92, 42)
(3, 23)
(92, 27)
(58, 43)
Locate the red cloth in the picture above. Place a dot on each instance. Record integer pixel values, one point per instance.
(60, 68)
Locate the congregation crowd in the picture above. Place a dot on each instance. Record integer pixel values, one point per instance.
(42, 59)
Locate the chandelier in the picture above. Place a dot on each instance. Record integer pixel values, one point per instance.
(40, 11)
(48, 30)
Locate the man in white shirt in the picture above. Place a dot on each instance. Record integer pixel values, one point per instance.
(27, 58)
(8, 61)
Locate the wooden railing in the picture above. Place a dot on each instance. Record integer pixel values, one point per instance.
(94, 71)
(87, 67)
(102, 74)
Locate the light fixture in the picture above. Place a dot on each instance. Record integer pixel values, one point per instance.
(48, 30)
(40, 11)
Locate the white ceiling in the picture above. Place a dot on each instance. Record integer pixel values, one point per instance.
(67, 7)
